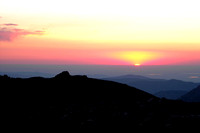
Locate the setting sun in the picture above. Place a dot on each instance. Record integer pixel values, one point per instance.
(137, 64)
(137, 57)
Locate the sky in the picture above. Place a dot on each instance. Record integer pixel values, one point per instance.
(100, 32)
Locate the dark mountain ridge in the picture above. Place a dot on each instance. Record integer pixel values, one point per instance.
(78, 102)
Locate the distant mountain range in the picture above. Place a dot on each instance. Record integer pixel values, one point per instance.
(78, 102)
(27, 74)
(171, 89)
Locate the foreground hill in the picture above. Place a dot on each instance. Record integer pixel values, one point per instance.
(192, 96)
(78, 102)
(171, 94)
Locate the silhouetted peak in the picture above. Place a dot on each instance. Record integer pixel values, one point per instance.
(63, 75)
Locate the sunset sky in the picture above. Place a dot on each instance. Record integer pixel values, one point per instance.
(103, 32)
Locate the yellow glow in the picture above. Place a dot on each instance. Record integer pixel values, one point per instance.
(137, 64)
(136, 57)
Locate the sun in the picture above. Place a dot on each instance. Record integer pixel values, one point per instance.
(136, 58)
(137, 64)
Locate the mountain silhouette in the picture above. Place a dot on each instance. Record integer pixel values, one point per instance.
(156, 86)
(192, 96)
(77, 102)
(63, 75)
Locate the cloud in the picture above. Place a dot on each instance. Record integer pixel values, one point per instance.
(194, 77)
(9, 34)
(10, 24)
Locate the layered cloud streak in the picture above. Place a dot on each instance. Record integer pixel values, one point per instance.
(9, 32)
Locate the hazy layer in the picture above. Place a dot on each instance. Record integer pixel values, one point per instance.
(186, 73)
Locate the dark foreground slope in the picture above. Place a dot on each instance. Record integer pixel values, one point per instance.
(192, 96)
(78, 102)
